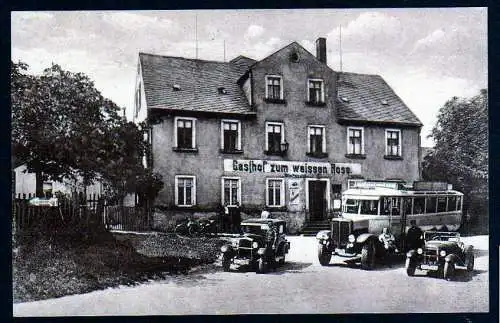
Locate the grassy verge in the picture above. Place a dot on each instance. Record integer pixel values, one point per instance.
(71, 264)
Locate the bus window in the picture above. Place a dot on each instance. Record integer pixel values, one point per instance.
(352, 206)
(430, 204)
(395, 206)
(459, 203)
(418, 205)
(407, 205)
(369, 207)
(452, 203)
(385, 206)
(441, 204)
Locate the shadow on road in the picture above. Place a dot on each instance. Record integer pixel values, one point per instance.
(461, 275)
(290, 267)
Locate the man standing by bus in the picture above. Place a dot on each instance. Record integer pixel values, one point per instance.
(414, 236)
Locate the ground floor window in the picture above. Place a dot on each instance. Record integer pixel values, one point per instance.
(231, 190)
(185, 190)
(275, 192)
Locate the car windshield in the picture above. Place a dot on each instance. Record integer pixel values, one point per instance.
(441, 236)
(252, 228)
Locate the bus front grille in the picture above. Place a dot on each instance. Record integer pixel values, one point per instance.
(340, 232)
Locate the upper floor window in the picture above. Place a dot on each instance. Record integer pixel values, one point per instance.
(316, 92)
(316, 144)
(275, 192)
(185, 133)
(230, 135)
(274, 87)
(274, 137)
(393, 142)
(355, 141)
(185, 190)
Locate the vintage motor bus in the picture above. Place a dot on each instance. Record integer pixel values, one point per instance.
(369, 207)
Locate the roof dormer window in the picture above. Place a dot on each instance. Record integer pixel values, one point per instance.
(176, 87)
(384, 102)
(222, 90)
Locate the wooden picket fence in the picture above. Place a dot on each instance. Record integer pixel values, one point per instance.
(80, 212)
(127, 218)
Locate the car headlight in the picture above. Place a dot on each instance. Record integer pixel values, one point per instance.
(323, 235)
(351, 238)
(420, 251)
(442, 253)
(255, 244)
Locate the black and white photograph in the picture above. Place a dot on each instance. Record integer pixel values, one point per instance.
(228, 162)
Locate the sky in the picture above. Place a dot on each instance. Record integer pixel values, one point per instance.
(426, 55)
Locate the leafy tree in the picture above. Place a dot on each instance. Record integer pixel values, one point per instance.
(460, 155)
(62, 127)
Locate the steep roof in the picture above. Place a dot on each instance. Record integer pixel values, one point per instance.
(368, 98)
(176, 83)
(242, 63)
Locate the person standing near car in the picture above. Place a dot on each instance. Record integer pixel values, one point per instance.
(225, 218)
(236, 218)
(414, 236)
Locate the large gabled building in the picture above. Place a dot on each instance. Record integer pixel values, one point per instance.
(286, 133)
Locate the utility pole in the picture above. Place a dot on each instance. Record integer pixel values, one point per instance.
(196, 34)
(340, 46)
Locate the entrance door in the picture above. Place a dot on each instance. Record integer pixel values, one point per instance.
(317, 200)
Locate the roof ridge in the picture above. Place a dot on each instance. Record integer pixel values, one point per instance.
(185, 58)
(364, 74)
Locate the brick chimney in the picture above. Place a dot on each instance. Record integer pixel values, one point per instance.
(321, 49)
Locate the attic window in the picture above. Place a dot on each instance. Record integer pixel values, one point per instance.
(343, 98)
(176, 87)
(222, 90)
(294, 57)
(384, 102)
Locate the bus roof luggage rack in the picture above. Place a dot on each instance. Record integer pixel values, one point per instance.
(431, 186)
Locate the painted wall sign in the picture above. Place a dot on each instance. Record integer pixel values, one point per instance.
(294, 189)
(291, 168)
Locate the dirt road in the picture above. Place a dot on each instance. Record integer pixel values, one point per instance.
(301, 286)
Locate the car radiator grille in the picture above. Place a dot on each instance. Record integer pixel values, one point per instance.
(431, 257)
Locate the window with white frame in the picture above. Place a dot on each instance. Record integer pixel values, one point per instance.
(274, 136)
(275, 192)
(316, 142)
(185, 190)
(393, 142)
(231, 190)
(355, 141)
(185, 132)
(230, 135)
(316, 93)
(274, 87)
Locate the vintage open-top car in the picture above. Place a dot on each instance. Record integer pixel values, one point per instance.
(442, 252)
(261, 245)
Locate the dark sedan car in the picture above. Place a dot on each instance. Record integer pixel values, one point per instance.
(261, 245)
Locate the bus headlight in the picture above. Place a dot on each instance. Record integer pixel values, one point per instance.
(255, 244)
(351, 238)
(420, 251)
(442, 253)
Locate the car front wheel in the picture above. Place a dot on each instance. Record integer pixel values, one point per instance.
(324, 255)
(368, 255)
(410, 266)
(262, 266)
(226, 263)
(470, 262)
(449, 270)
